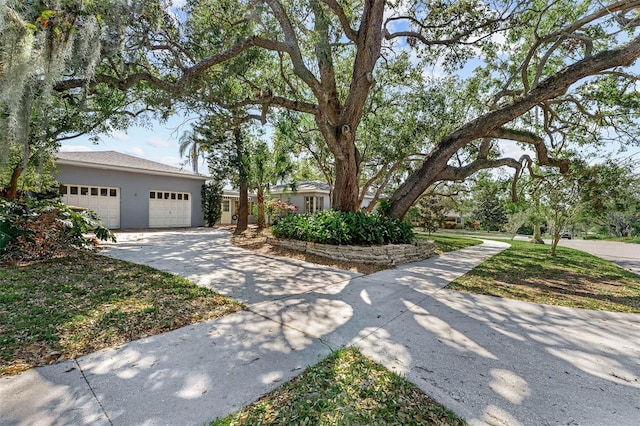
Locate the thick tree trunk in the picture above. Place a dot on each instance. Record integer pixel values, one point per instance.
(419, 181)
(537, 235)
(345, 191)
(243, 210)
(12, 189)
(260, 198)
(243, 178)
(554, 243)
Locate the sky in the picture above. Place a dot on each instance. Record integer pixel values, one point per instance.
(158, 143)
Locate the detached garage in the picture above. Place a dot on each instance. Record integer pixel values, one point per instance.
(130, 192)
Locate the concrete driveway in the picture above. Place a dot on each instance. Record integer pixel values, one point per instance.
(491, 360)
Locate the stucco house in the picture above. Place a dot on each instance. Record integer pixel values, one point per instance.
(230, 207)
(308, 196)
(130, 192)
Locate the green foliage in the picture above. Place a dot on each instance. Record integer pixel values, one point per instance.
(430, 213)
(383, 207)
(491, 213)
(10, 217)
(35, 229)
(37, 177)
(212, 202)
(335, 227)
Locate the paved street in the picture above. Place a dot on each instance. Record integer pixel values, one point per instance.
(624, 254)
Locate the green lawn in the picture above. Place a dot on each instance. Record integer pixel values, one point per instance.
(573, 278)
(346, 388)
(448, 242)
(62, 308)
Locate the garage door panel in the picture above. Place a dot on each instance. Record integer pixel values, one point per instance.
(105, 201)
(169, 209)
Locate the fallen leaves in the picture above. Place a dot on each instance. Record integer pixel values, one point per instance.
(66, 307)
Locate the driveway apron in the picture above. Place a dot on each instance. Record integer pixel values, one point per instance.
(491, 360)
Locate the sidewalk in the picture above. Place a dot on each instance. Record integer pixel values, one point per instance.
(493, 361)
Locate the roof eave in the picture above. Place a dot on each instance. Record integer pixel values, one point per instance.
(128, 169)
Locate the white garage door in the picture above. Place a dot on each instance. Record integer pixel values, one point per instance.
(105, 201)
(169, 209)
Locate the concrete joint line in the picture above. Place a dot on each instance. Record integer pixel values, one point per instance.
(92, 391)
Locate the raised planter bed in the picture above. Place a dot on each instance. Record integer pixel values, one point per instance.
(389, 254)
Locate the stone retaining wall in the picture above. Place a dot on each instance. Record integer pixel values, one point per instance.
(390, 254)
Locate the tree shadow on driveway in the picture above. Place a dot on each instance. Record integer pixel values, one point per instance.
(491, 360)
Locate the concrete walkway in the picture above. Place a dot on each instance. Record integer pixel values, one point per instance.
(491, 360)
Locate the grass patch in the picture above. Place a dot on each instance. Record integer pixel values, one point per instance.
(62, 308)
(346, 388)
(445, 243)
(528, 272)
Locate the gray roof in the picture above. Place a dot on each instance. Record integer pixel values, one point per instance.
(307, 186)
(119, 161)
(303, 186)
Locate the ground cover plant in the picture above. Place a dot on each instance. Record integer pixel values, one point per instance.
(346, 388)
(336, 227)
(528, 272)
(62, 308)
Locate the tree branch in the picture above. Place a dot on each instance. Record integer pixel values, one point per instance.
(542, 152)
(188, 75)
(484, 125)
(349, 32)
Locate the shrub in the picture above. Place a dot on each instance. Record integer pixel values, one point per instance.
(592, 237)
(37, 229)
(334, 227)
(212, 202)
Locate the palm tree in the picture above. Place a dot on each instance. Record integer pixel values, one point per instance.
(191, 148)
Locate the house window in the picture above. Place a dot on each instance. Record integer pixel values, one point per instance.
(103, 192)
(63, 189)
(179, 196)
(152, 195)
(186, 197)
(74, 190)
(84, 190)
(225, 205)
(94, 192)
(313, 204)
(113, 192)
(173, 195)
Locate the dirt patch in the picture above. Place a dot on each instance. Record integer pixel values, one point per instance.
(255, 239)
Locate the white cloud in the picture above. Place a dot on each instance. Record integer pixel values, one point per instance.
(75, 148)
(136, 150)
(158, 142)
(118, 135)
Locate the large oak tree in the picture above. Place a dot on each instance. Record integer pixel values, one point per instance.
(322, 58)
